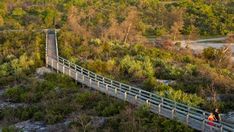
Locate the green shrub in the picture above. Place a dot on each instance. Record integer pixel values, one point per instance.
(9, 129)
(14, 94)
(38, 116)
(150, 84)
(107, 108)
(52, 117)
(180, 96)
(210, 53)
(88, 99)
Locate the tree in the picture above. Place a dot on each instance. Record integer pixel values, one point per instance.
(127, 30)
(74, 21)
(84, 121)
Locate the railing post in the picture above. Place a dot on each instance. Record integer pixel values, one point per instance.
(148, 103)
(98, 84)
(221, 128)
(173, 113)
(90, 82)
(159, 108)
(47, 61)
(46, 55)
(52, 61)
(57, 67)
(187, 118)
(69, 69)
(76, 77)
(203, 125)
(136, 99)
(189, 109)
(204, 115)
(106, 88)
(115, 90)
(125, 96)
(63, 67)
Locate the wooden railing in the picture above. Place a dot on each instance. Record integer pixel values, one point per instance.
(193, 117)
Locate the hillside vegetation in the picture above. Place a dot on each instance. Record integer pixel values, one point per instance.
(111, 38)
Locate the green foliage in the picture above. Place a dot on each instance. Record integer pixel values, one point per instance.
(150, 84)
(15, 93)
(8, 129)
(149, 121)
(105, 108)
(22, 63)
(49, 17)
(52, 117)
(20, 54)
(4, 69)
(180, 96)
(86, 99)
(21, 113)
(1, 20)
(210, 53)
(19, 12)
(38, 116)
(138, 69)
(132, 67)
(56, 103)
(96, 42)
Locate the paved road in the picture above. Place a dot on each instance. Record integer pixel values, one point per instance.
(199, 45)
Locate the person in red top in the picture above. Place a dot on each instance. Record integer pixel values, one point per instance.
(211, 119)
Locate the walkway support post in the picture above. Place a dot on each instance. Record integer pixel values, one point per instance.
(46, 54)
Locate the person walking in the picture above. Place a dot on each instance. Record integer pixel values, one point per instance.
(217, 115)
(211, 119)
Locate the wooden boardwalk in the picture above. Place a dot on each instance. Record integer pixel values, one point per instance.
(193, 117)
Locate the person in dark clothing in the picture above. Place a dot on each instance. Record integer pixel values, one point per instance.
(217, 115)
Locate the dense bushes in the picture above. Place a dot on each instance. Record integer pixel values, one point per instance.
(21, 113)
(106, 108)
(20, 54)
(51, 97)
